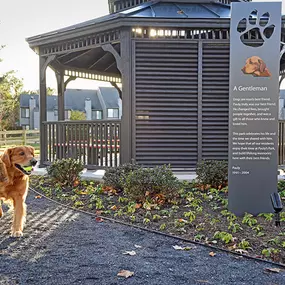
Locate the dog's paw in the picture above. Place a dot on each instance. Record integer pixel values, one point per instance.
(16, 234)
(255, 30)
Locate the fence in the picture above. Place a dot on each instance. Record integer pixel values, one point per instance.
(95, 143)
(19, 137)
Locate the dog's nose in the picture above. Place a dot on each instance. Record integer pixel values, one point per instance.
(33, 161)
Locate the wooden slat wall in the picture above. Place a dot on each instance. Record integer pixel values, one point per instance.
(215, 101)
(166, 102)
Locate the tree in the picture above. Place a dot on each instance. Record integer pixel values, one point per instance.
(77, 116)
(10, 89)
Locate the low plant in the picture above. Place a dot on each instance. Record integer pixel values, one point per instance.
(146, 221)
(274, 241)
(156, 217)
(65, 171)
(268, 216)
(180, 223)
(190, 215)
(212, 172)
(249, 220)
(151, 183)
(234, 227)
(162, 227)
(199, 237)
(244, 244)
(115, 176)
(270, 252)
(223, 236)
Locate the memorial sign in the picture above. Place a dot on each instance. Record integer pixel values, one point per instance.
(253, 105)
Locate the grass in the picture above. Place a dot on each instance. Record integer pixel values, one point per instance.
(193, 214)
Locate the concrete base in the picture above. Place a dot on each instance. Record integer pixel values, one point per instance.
(98, 174)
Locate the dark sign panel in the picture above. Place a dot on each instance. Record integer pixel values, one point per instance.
(253, 109)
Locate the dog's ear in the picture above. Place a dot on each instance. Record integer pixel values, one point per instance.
(32, 150)
(6, 157)
(262, 65)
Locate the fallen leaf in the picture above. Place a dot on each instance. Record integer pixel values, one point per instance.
(99, 220)
(138, 205)
(275, 270)
(76, 182)
(125, 273)
(132, 253)
(212, 253)
(232, 247)
(114, 208)
(98, 213)
(241, 251)
(178, 247)
(82, 193)
(214, 241)
(138, 246)
(38, 197)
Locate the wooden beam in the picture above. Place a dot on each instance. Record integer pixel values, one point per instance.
(44, 64)
(118, 58)
(118, 89)
(76, 57)
(70, 78)
(110, 66)
(97, 61)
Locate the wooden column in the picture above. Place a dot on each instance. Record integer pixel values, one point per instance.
(60, 90)
(126, 122)
(43, 112)
(43, 64)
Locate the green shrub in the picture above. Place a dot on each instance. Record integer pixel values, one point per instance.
(281, 188)
(114, 176)
(65, 171)
(212, 172)
(150, 182)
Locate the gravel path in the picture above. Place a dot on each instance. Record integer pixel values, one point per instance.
(61, 246)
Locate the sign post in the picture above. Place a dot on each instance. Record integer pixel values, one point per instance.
(253, 105)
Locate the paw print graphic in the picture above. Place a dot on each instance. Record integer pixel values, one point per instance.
(256, 29)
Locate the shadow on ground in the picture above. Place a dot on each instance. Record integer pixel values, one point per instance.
(61, 246)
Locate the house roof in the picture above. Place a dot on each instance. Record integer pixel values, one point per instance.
(74, 99)
(110, 96)
(181, 10)
(153, 9)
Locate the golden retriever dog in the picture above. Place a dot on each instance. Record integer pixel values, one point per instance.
(16, 164)
(256, 67)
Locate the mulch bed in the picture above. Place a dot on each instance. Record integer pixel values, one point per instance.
(194, 214)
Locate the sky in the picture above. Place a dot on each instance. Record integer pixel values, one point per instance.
(20, 19)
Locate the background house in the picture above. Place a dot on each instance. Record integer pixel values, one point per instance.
(101, 104)
(282, 105)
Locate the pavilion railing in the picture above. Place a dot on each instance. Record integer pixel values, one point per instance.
(95, 143)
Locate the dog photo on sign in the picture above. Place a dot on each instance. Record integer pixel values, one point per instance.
(256, 67)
